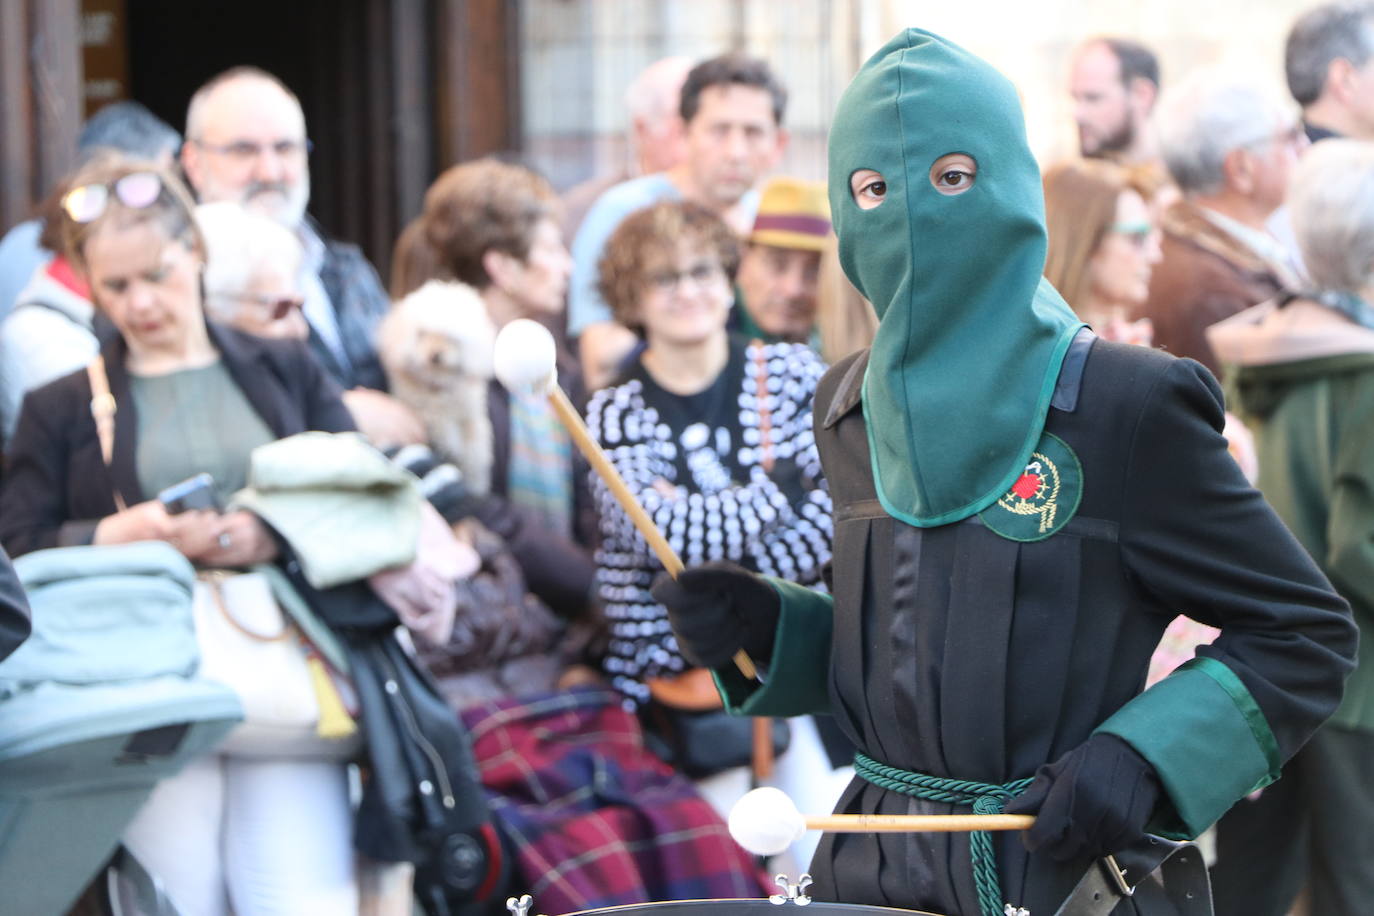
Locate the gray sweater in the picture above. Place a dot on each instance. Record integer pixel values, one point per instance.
(47, 336)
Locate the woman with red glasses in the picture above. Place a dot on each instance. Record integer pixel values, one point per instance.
(190, 397)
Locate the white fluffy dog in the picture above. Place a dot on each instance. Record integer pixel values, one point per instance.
(436, 345)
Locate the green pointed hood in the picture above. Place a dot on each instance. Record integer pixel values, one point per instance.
(970, 337)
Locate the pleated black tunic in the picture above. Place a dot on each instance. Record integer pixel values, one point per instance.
(961, 653)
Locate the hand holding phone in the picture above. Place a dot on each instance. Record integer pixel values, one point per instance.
(196, 492)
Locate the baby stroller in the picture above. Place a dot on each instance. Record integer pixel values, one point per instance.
(95, 708)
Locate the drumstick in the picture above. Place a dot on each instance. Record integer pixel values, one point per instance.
(524, 360)
(916, 823)
(596, 457)
(765, 822)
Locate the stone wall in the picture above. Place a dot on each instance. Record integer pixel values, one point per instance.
(579, 55)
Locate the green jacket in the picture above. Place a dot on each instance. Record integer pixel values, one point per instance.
(1302, 378)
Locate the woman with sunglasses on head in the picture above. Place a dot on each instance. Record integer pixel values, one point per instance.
(1021, 507)
(190, 397)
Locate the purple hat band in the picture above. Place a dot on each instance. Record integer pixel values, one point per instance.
(806, 225)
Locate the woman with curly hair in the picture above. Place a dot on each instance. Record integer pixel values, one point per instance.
(712, 432)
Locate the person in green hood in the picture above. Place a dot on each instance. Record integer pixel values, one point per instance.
(1020, 510)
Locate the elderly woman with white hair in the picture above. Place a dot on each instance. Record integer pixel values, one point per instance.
(1301, 369)
(1230, 143)
(253, 284)
(252, 272)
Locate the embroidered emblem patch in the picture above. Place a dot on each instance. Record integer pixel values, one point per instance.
(1043, 498)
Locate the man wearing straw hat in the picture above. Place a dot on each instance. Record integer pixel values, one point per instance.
(1020, 510)
(779, 271)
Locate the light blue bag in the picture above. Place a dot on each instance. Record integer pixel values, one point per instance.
(104, 615)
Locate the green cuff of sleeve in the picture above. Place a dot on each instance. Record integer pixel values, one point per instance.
(796, 683)
(1207, 739)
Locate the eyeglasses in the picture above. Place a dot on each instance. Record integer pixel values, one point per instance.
(246, 151)
(277, 307)
(136, 190)
(1293, 136)
(665, 281)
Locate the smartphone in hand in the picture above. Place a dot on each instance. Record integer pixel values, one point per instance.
(196, 492)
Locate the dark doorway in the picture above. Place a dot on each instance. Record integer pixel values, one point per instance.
(363, 70)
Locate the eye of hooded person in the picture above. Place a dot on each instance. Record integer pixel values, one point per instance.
(868, 188)
(953, 173)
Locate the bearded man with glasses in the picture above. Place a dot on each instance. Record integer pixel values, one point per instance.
(246, 143)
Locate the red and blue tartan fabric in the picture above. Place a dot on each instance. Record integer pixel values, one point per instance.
(595, 818)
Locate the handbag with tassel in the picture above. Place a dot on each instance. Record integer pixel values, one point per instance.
(291, 697)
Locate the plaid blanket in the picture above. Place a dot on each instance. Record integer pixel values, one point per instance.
(594, 817)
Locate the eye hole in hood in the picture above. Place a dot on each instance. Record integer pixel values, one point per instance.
(953, 174)
(868, 188)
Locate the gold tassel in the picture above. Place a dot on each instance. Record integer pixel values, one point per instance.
(335, 722)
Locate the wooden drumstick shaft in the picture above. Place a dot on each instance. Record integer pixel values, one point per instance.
(917, 823)
(596, 457)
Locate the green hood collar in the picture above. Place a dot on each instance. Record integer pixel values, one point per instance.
(970, 337)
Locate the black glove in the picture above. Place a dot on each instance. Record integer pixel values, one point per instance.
(718, 608)
(1093, 801)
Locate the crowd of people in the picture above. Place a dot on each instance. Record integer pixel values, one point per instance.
(698, 298)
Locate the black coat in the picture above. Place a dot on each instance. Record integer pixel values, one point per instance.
(963, 654)
(57, 488)
(360, 303)
(15, 622)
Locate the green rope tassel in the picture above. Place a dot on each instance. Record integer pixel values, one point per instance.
(984, 798)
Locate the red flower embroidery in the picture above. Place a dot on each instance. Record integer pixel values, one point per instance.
(1026, 486)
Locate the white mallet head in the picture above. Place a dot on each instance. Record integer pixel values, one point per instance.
(766, 822)
(525, 356)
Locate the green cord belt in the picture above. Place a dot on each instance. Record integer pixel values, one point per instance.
(984, 798)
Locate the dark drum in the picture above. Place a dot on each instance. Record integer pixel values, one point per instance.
(760, 907)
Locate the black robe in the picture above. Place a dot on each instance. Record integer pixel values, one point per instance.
(960, 653)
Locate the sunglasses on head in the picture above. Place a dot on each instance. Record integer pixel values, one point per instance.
(136, 190)
(1137, 232)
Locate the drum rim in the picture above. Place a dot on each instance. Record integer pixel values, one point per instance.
(823, 904)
